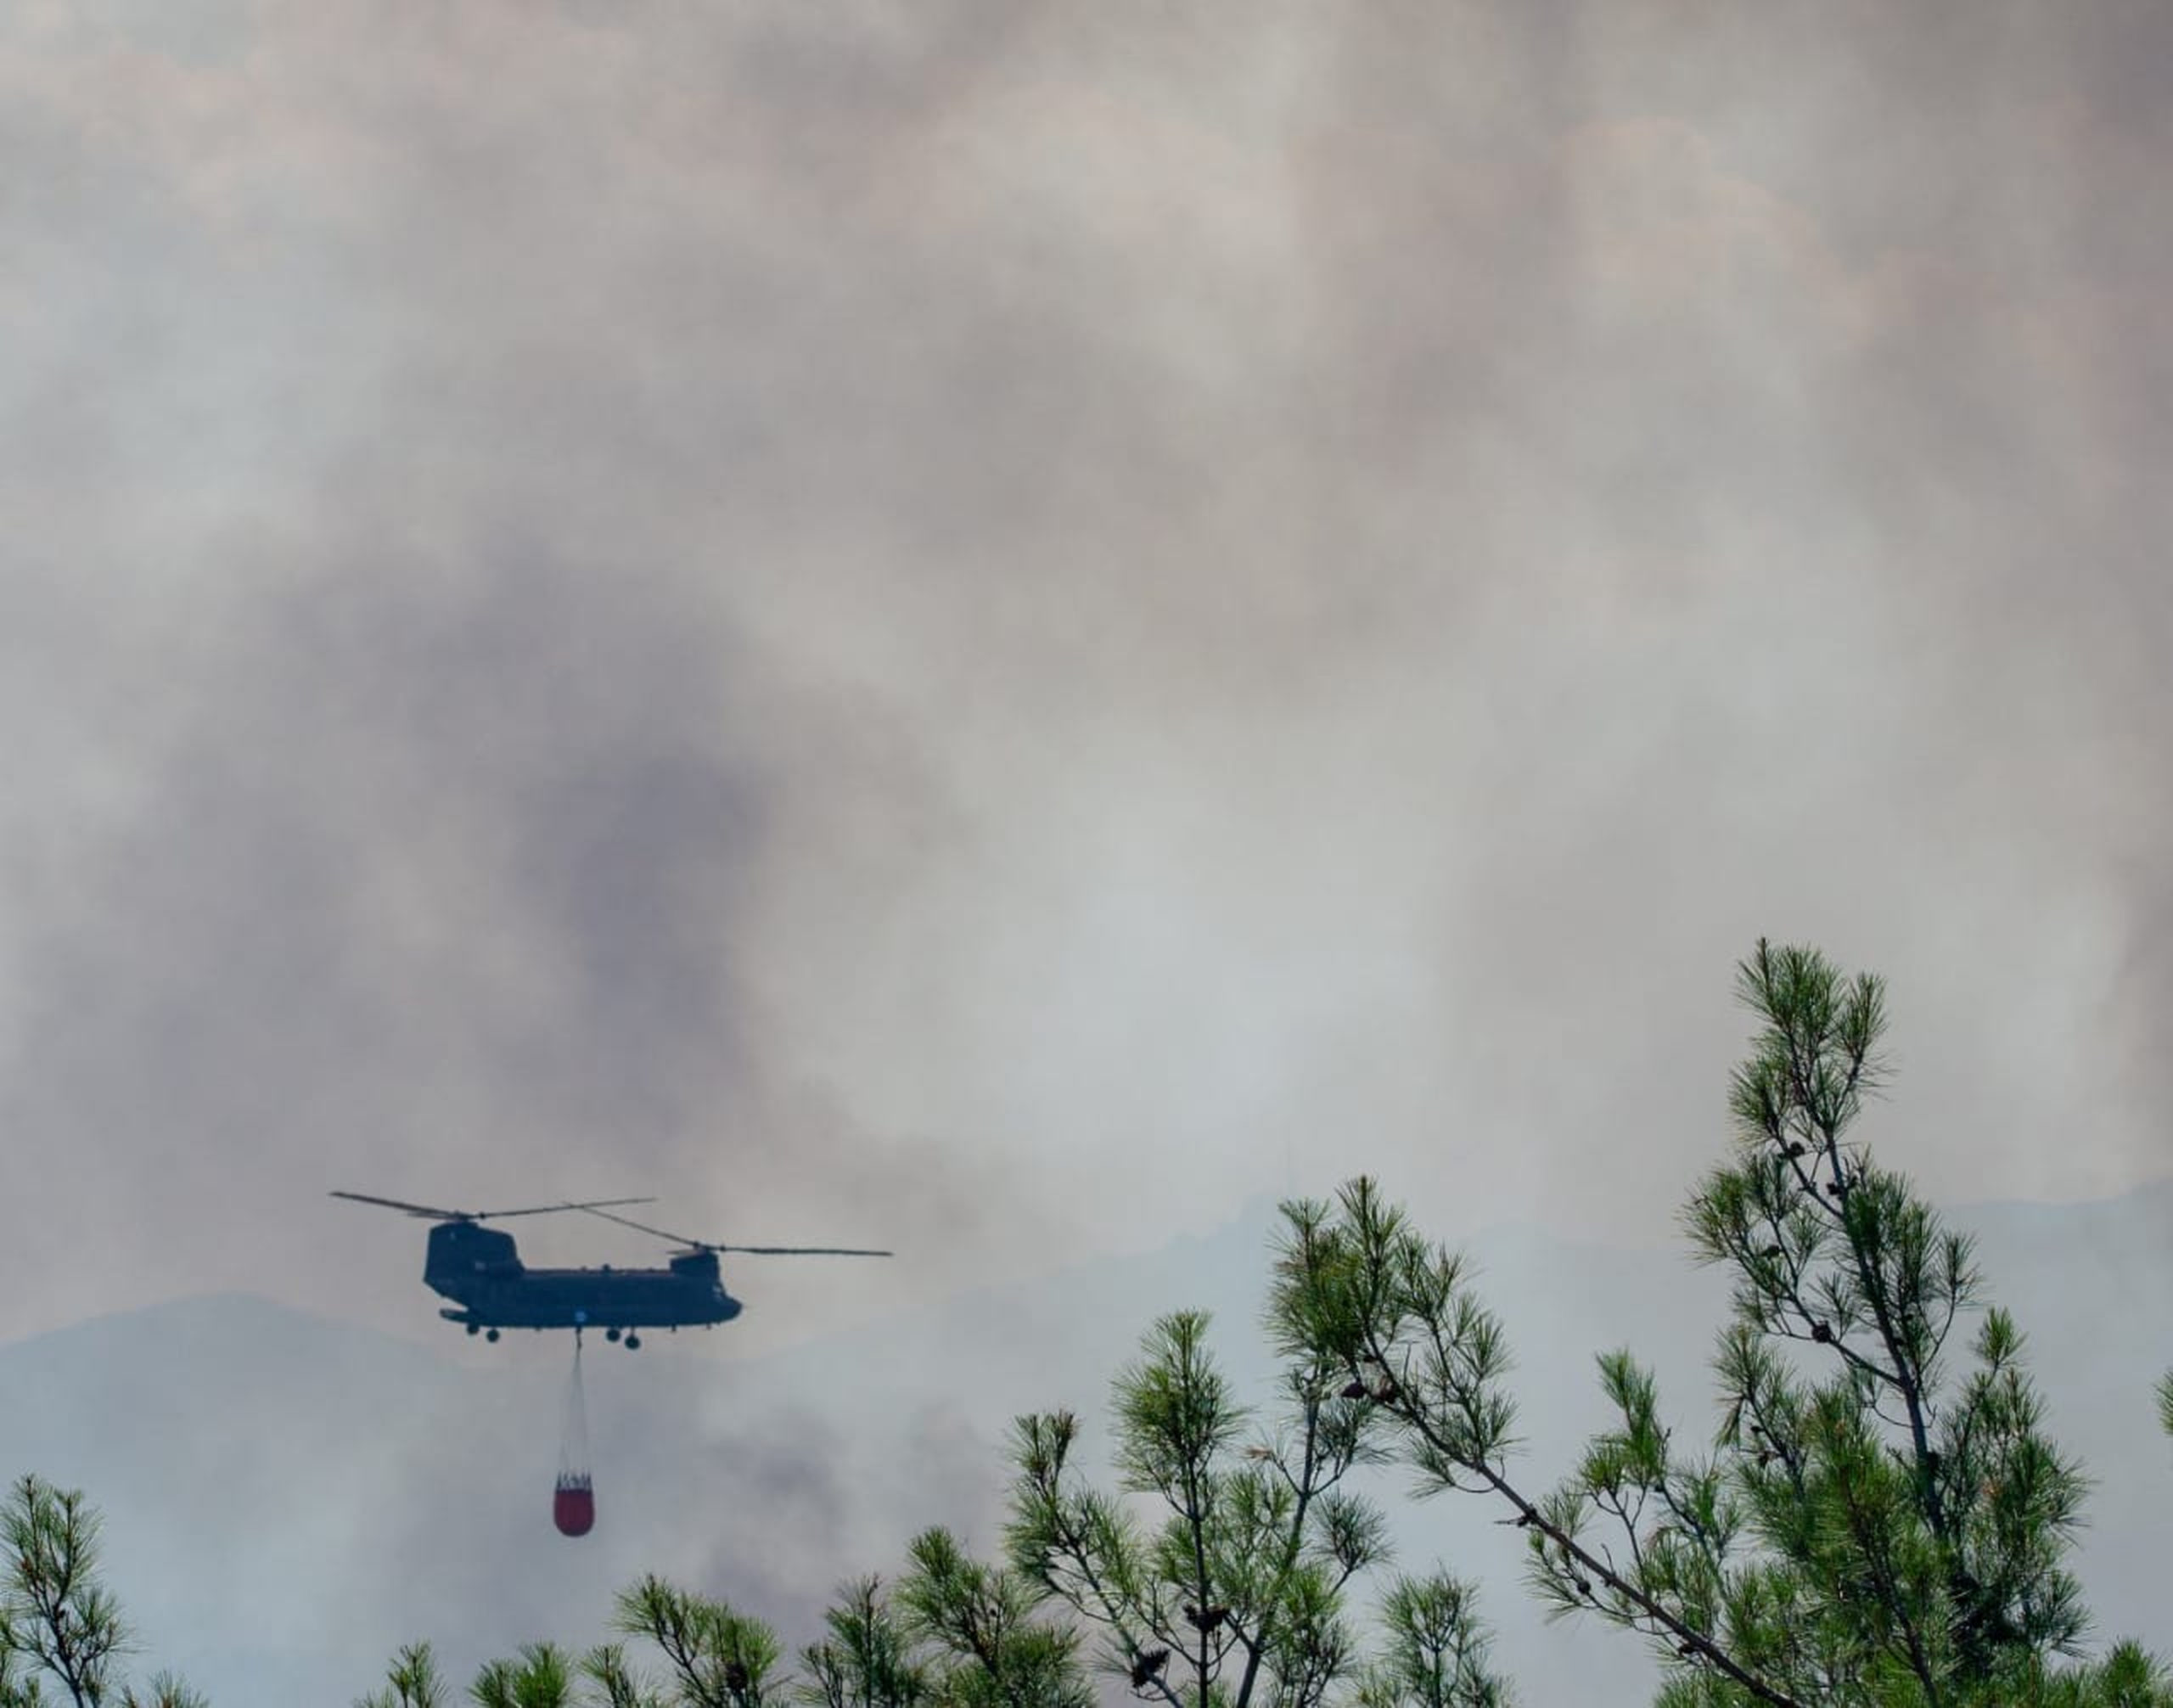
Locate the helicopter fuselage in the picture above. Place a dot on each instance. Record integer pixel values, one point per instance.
(480, 1270)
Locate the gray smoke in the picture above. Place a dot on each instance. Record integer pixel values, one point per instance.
(986, 628)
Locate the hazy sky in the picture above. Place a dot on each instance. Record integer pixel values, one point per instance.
(994, 627)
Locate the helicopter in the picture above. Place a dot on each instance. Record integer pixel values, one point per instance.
(480, 1270)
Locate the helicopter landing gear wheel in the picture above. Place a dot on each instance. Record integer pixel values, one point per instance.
(633, 1343)
(491, 1336)
(611, 1334)
(475, 1329)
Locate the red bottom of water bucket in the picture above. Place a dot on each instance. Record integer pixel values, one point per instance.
(573, 1509)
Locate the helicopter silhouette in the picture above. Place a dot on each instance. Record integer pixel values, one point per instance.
(480, 1269)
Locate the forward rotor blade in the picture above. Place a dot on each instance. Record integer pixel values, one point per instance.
(436, 1214)
(639, 1227)
(396, 1203)
(553, 1209)
(749, 1250)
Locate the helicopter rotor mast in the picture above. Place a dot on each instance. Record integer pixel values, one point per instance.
(746, 1251)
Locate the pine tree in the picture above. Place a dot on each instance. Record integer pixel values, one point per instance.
(980, 1625)
(1876, 1520)
(544, 1676)
(1234, 1598)
(866, 1660)
(59, 1622)
(952, 1633)
(413, 1680)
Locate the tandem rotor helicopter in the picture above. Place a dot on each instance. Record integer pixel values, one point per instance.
(478, 1269)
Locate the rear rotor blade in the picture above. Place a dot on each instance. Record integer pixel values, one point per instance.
(803, 1250)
